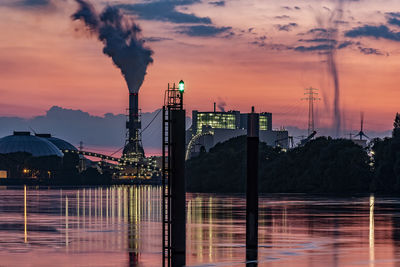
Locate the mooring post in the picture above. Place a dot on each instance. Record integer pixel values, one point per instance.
(252, 188)
(178, 190)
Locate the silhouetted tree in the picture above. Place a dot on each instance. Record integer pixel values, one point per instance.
(322, 165)
(396, 126)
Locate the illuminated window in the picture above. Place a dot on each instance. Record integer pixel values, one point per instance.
(263, 123)
(216, 121)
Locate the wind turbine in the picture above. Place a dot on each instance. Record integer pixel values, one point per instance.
(361, 133)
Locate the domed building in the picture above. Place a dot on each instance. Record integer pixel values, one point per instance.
(23, 155)
(70, 160)
(59, 143)
(25, 142)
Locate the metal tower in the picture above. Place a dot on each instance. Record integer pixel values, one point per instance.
(173, 182)
(311, 97)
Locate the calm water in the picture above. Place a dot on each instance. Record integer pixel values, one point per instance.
(121, 226)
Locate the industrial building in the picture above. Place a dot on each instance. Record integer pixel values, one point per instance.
(23, 155)
(42, 157)
(212, 127)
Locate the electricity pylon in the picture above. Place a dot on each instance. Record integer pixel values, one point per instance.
(311, 97)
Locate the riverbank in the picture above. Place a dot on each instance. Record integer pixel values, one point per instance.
(324, 165)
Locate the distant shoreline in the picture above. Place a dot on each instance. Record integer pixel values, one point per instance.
(31, 182)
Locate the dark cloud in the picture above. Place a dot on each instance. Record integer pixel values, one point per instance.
(394, 21)
(343, 22)
(320, 32)
(36, 5)
(345, 44)
(370, 51)
(317, 48)
(328, 44)
(291, 8)
(258, 43)
(156, 39)
(217, 3)
(319, 40)
(271, 46)
(286, 27)
(76, 125)
(165, 11)
(282, 17)
(393, 18)
(203, 30)
(393, 14)
(377, 32)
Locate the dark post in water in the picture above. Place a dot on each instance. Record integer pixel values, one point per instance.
(178, 199)
(252, 188)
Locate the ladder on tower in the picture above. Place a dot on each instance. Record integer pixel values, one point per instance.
(166, 193)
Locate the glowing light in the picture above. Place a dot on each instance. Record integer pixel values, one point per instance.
(66, 221)
(181, 86)
(25, 218)
(371, 231)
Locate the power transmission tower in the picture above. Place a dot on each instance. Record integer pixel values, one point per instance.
(311, 97)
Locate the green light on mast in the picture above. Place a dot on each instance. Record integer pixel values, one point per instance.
(181, 86)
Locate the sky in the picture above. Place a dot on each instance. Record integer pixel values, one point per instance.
(245, 53)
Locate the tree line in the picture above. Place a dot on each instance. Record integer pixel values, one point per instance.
(323, 165)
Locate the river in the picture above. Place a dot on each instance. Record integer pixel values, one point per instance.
(121, 226)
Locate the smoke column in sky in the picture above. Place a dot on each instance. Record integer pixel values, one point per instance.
(221, 105)
(120, 36)
(337, 121)
(332, 36)
(331, 60)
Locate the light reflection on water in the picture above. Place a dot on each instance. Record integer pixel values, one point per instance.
(121, 226)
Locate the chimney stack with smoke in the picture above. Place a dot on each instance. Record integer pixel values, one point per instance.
(221, 105)
(120, 36)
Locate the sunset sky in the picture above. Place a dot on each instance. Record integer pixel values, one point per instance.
(242, 52)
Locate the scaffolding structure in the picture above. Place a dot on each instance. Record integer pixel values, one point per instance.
(173, 101)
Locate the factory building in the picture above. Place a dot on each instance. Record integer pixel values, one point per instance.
(211, 128)
(23, 155)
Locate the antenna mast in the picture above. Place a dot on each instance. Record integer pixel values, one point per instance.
(311, 97)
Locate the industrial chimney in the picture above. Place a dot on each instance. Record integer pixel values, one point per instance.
(133, 145)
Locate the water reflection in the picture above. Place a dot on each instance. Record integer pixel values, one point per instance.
(371, 231)
(121, 226)
(25, 218)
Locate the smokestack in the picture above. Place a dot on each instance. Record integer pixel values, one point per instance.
(133, 125)
(133, 117)
(215, 107)
(123, 43)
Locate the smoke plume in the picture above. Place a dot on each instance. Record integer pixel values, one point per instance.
(328, 31)
(332, 67)
(120, 36)
(221, 105)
